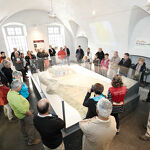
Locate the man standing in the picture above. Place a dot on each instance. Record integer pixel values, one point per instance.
(49, 127)
(68, 54)
(114, 65)
(79, 54)
(13, 54)
(99, 131)
(124, 64)
(20, 106)
(52, 53)
(100, 54)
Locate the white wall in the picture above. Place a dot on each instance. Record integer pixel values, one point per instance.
(36, 22)
(82, 41)
(141, 32)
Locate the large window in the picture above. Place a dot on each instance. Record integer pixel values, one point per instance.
(56, 35)
(15, 37)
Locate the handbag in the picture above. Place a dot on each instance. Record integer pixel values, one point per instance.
(118, 109)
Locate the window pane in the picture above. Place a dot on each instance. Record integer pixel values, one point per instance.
(10, 31)
(15, 38)
(50, 30)
(18, 31)
(55, 36)
(56, 30)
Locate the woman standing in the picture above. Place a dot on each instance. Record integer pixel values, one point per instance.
(46, 59)
(62, 55)
(140, 69)
(18, 63)
(116, 95)
(88, 59)
(104, 65)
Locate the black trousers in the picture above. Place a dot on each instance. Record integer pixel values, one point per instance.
(116, 115)
(23, 73)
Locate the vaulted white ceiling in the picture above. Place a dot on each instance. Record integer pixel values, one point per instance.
(80, 11)
(77, 10)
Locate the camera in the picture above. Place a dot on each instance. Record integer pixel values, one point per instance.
(92, 88)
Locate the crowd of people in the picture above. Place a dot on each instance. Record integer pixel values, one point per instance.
(110, 67)
(101, 123)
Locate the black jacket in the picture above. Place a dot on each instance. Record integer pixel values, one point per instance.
(143, 68)
(8, 74)
(3, 78)
(27, 58)
(124, 63)
(100, 55)
(39, 55)
(49, 128)
(13, 55)
(68, 51)
(79, 53)
(45, 55)
(91, 104)
(52, 52)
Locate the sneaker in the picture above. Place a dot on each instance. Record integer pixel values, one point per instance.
(144, 138)
(34, 142)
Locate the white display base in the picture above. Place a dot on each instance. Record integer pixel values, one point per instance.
(75, 82)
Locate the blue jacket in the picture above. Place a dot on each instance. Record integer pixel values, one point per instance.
(24, 91)
(91, 104)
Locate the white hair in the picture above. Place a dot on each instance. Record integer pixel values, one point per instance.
(104, 107)
(7, 63)
(16, 74)
(16, 84)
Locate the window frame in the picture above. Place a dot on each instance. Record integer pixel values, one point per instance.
(15, 40)
(57, 38)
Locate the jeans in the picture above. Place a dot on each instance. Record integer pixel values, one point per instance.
(8, 111)
(116, 115)
(53, 60)
(41, 64)
(103, 72)
(79, 61)
(60, 147)
(148, 127)
(27, 128)
(62, 62)
(68, 60)
(96, 68)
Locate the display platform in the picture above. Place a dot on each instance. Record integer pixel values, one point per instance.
(70, 84)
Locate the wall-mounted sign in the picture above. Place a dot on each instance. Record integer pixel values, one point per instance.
(39, 44)
(142, 43)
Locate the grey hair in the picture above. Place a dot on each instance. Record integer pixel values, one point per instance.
(16, 74)
(104, 107)
(6, 63)
(16, 84)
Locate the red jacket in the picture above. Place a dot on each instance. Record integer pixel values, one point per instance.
(3, 94)
(0, 59)
(62, 54)
(118, 94)
(103, 64)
